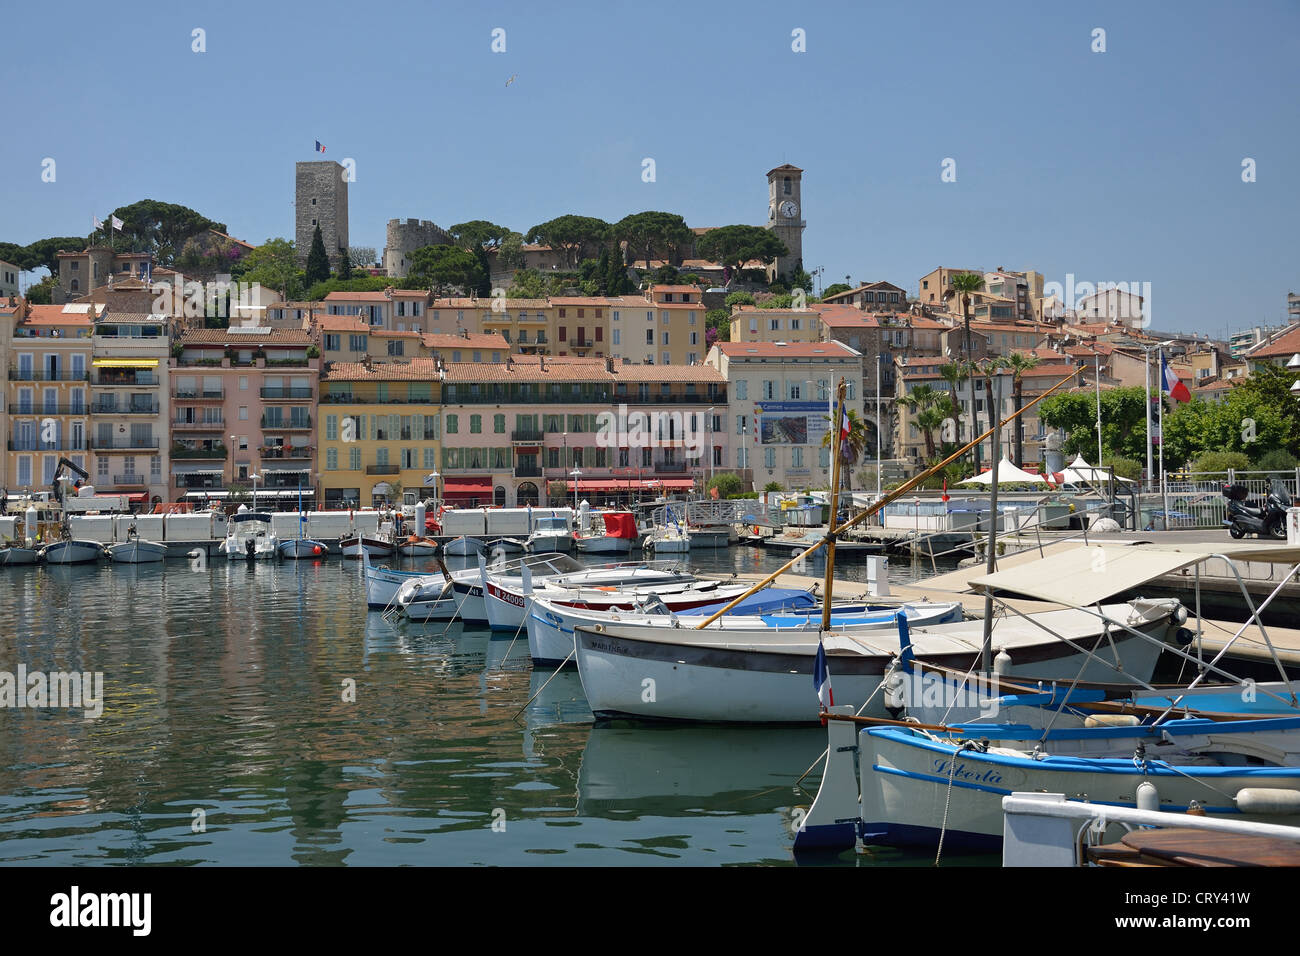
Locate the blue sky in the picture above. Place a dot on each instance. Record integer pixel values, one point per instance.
(1115, 166)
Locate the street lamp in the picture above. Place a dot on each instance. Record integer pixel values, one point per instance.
(234, 471)
(708, 427)
(254, 476)
(432, 479)
(575, 474)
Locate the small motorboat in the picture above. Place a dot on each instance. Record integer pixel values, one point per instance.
(249, 536)
(16, 554)
(72, 551)
(612, 532)
(303, 549)
(551, 533)
(465, 545)
(137, 551)
(375, 545)
(505, 546)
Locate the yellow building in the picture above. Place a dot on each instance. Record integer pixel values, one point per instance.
(379, 429)
(749, 323)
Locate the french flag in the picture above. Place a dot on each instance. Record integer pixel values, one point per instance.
(845, 427)
(1172, 384)
(822, 678)
(319, 147)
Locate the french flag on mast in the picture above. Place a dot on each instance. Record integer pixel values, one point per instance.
(1172, 384)
(822, 678)
(319, 147)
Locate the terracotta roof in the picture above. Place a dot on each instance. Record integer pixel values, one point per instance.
(410, 293)
(53, 315)
(674, 288)
(596, 302)
(284, 337)
(529, 368)
(379, 333)
(786, 350)
(416, 370)
(474, 340)
(357, 297)
(1286, 344)
(339, 323)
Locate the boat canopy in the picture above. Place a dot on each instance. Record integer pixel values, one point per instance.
(250, 516)
(1092, 573)
(620, 524)
(552, 523)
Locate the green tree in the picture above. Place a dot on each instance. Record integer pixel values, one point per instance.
(728, 484)
(1212, 461)
(345, 265)
(852, 448)
(1018, 364)
(42, 293)
(733, 246)
(42, 252)
(510, 254)
(650, 235)
(738, 298)
(964, 286)
(930, 408)
(1123, 416)
(527, 284)
(774, 486)
(718, 321)
(158, 227)
(570, 235)
(479, 234)
(439, 268)
(274, 264)
(835, 288)
(318, 263)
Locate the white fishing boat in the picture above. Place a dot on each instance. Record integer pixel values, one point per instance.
(464, 545)
(378, 545)
(302, 548)
(550, 533)
(918, 786)
(765, 676)
(137, 551)
(382, 584)
(552, 622)
(71, 551)
(249, 536)
(670, 540)
(612, 532)
(430, 597)
(496, 546)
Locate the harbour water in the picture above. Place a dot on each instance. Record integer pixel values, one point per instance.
(260, 715)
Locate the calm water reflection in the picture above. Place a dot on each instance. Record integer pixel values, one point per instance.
(225, 693)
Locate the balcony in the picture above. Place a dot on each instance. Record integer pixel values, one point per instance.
(131, 481)
(37, 410)
(582, 344)
(199, 482)
(528, 471)
(124, 444)
(118, 379)
(670, 467)
(530, 436)
(286, 425)
(38, 375)
(287, 394)
(180, 452)
(382, 470)
(194, 395)
(287, 452)
(113, 408)
(23, 444)
(206, 426)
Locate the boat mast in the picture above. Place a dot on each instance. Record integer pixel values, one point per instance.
(990, 563)
(836, 441)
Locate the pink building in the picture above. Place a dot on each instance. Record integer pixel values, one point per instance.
(242, 401)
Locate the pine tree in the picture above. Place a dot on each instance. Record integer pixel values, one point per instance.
(318, 264)
(616, 282)
(484, 278)
(345, 265)
(602, 272)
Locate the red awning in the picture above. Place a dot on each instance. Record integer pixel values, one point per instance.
(137, 499)
(475, 487)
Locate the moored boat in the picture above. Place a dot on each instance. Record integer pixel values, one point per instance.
(550, 533)
(71, 551)
(16, 555)
(136, 551)
(376, 545)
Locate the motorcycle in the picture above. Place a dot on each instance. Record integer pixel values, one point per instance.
(1268, 520)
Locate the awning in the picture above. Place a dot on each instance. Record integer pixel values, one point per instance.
(137, 498)
(285, 471)
(481, 487)
(124, 363)
(1090, 574)
(198, 471)
(206, 494)
(629, 484)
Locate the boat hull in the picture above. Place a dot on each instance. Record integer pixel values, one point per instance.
(756, 676)
(603, 544)
(418, 549)
(137, 552)
(464, 546)
(72, 552)
(375, 547)
(303, 549)
(17, 556)
(382, 585)
(539, 543)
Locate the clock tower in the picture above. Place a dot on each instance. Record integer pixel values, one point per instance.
(785, 217)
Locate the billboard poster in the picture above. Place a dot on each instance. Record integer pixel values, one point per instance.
(792, 423)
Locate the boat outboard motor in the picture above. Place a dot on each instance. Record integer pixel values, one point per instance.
(250, 549)
(1267, 519)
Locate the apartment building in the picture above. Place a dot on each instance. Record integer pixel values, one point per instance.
(780, 397)
(377, 431)
(48, 394)
(82, 272)
(516, 432)
(396, 310)
(749, 323)
(871, 297)
(242, 403)
(8, 279)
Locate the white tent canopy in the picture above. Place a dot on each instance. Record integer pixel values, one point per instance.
(1008, 474)
(1079, 472)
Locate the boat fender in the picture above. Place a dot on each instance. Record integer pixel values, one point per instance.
(1268, 800)
(1001, 663)
(1184, 636)
(1148, 797)
(1111, 720)
(894, 685)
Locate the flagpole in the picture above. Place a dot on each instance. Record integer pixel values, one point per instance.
(1164, 496)
(836, 443)
(1097, 375)
(1146, 352)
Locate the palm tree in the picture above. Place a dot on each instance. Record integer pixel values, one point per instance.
(1018, 364)
(988, 370)
(965, 284)
(924, 402)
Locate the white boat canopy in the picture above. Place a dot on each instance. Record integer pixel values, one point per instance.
(1092, 573)
(1079, 472)
(1008, 474)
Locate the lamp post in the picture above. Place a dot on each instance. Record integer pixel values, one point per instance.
(254, 476)
(234, 443)
(432, 478)
(575, 474)
(708, 427)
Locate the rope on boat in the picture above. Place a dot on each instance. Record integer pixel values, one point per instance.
(947, 800)
(548, 680)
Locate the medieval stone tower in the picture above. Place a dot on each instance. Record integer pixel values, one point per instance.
(404, 238)
(321, 196)
(785, 217)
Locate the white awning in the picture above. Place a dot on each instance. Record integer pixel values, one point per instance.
(1092, 573)
(285, 471)
(206, 494)
(198, 471)
(1007, 474)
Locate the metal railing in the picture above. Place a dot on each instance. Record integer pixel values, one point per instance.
(219, 451)
(285, 393)
(201, 426)
(40, 375)
(105, 408)
(287, 451)
(285, 424)
(116, 444)
(35, 445)
(195, 395)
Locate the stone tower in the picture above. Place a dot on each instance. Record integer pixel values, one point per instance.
(785, 217)
(321, 197)
(404, 238)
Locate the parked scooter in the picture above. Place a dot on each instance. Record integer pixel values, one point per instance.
(1267, 520)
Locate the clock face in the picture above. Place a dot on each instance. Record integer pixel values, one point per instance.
(789, 209)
